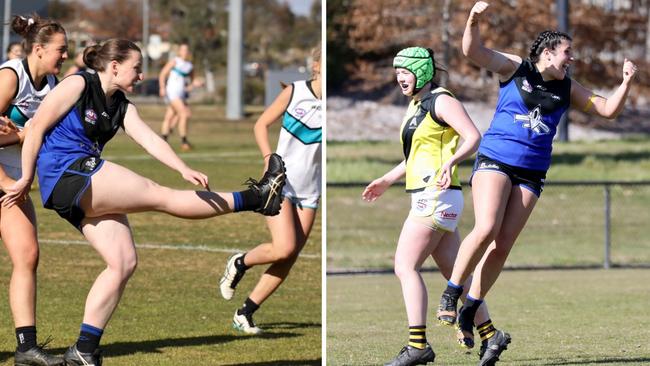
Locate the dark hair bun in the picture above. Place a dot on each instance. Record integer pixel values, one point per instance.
(91, 56)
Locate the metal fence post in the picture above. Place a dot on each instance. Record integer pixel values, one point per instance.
(608, 233)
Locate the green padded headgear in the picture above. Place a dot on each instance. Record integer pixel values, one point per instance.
(419, 61)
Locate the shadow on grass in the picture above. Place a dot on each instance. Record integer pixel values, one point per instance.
(156, 345)
(315, 362)
(289, 325)
(604, 361)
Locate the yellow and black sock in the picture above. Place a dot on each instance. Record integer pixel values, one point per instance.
(486, 330)
(418, 336)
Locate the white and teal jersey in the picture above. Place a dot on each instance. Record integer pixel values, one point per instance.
(27, 96)
(300, 142)
(176, 82)
(27, 99)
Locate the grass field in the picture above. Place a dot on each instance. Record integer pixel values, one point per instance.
(591, 317)
(171, 312)
(565, 229)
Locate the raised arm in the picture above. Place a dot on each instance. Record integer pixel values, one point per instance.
(142, 134)
(501, 63)
(453, 113)
(587, 101)
(270, 115)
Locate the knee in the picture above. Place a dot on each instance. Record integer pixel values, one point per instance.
(27, 260)
(125, 268)
(403, 271)
(285, 253)
(485, 233)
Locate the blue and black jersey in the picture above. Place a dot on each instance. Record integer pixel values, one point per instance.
(81, 132)
(526, 118)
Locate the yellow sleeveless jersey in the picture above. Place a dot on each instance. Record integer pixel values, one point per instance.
(427, 143)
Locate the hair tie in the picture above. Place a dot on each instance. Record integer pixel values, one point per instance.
(30, 21)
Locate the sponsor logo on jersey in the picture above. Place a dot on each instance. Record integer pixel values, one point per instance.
(90, 116)
(105, 115)
(533, 121)
(525, 86)
(540, 87)
(91, 163)
(556, 97)
(421, 204)
(299, 112)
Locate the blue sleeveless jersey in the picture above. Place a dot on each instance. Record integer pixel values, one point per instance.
(526, 118)
(83, 131)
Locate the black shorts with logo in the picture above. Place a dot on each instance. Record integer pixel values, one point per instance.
(533, 180)
(70, 188)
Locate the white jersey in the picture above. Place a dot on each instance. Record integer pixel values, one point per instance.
(22, 108)
(175, 87)
(300, 142)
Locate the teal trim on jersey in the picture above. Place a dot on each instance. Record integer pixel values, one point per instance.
(14, 114)
(303, 133)
(180, 72)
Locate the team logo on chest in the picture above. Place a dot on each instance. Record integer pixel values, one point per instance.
(533, 121)
(525, 86)
(90, 116)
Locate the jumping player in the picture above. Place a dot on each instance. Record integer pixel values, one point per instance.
(68, 134)
(23, 85)
(173, 84)
(299, 144)
(513, 158)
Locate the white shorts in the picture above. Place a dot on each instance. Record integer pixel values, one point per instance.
(440, 210)
(304, 202)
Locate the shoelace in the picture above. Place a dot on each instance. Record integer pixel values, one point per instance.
(47, 341)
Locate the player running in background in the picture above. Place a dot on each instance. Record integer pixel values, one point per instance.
(24, 82)
(69, 132)
(513, 158)
(174, 85)
(299, 105)
(430, 132)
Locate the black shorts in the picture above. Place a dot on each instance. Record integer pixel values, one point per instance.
(70, 188)
(533, 180)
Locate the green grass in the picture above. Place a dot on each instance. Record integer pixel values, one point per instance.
(171, 312)
(565, 229)
(585, 317)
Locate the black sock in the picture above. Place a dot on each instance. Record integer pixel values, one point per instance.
(486, 330)
(468, 311)
(26, 338)
(247, 200)
(164, 137)
(418, 336)
(454, 290)
(184, 139)
(240, 265)
(89, 338)
(249, 307)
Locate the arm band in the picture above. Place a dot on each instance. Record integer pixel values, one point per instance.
(590, 102)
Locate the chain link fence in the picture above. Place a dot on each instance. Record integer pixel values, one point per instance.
(574, 225)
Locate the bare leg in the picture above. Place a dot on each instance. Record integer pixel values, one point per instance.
(111, 236)
(416, 243)
(445, 255)
(303, 220)
(490, 192)
(183, 113)
(138, 194)
(167, 121)
(520, 206)
(18, 230)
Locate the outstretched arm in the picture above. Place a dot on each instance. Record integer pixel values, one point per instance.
(589, 102)
(271, 115)
(453, 113)
(141, 133)
(378, 186)
(501, 63)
